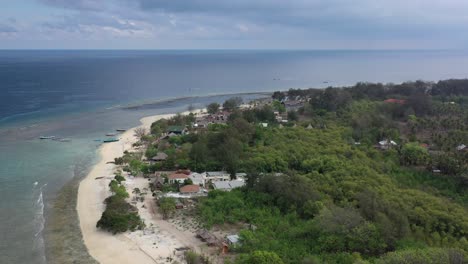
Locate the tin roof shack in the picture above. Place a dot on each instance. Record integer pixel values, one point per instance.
(386, 144)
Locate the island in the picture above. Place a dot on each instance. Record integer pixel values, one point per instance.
(370, 173)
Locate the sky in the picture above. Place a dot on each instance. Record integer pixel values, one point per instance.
(233, 24)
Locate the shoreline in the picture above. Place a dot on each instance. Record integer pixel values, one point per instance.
(103, 246)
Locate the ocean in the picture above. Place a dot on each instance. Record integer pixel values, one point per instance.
(82, 95)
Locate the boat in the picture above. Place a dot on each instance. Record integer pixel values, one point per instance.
(47, 137)
(111, 134)
(109, 140)
(121, 130)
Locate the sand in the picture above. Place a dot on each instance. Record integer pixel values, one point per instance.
(152, 245)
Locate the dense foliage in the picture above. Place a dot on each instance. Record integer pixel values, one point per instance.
(325, 194)
(119, 215)
(320, 188)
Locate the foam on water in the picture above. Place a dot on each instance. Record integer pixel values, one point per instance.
(39, 223)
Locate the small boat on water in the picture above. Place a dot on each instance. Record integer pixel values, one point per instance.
(47, 137)
(109, 140)
(121, 130)
(111, 134)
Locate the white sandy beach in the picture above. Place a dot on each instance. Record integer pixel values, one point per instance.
(154, 244)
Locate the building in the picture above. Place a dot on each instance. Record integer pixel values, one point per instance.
(227, 185)
(386, 144)
(232, 239)
(177, 178)
(176, 130)
(292, 105)
(198, 178)
(161, 156)
(241, 176)
(214, 176)
(190, 189)
(461, 147)
(395, 101)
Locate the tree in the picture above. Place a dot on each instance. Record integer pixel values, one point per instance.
(140, 132)
(263, 257)
(413, 154)
(213, 108)
(167, 206)
(232, 103)
(292, 116)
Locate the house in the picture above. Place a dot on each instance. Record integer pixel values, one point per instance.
(227, 185)
(241, 176)
(176, 130)
(177, 178)
(386, 144)
(161, 156)
(395, 101)
(232, 239)
(461, 147)
(217, 176)
(292, 105)
(198, 178)
(190, 189)
(264, 124)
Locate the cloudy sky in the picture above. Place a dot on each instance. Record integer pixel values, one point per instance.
(234, 24)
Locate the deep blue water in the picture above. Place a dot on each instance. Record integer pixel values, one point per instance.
(83, 94)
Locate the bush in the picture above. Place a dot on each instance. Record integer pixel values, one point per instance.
(119, 216)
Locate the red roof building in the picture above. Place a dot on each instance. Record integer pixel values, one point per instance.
(395, 101)
(190, 189)
(177, 177)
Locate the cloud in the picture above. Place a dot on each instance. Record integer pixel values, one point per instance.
(4, 28)
(279, 23)
(87, 5)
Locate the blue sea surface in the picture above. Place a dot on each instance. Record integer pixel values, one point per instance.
(84, 94)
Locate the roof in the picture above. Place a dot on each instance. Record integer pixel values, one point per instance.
(190, 189)
(395, 101)
(177, 176)
(160, 156)
(228, 185)
(233, 239)
(387, 142)
(461, 147)
(179, 129)
(241, 174)
(216, 173)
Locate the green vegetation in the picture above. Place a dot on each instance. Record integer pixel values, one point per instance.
(119, 215)
(320, 188)
(327, 195)
(232, 103)
(167, 206)
(213, 108)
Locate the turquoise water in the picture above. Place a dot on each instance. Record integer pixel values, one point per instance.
(33, 171)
